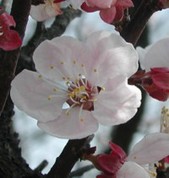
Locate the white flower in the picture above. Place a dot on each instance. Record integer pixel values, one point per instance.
(150, 149)
(89, 77)
(155, 79)
(45, 11)
(155, 55)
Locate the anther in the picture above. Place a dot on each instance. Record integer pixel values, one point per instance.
(40, 76)
(49, 97)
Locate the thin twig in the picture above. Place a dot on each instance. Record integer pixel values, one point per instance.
(81, 171)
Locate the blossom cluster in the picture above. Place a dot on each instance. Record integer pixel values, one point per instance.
(79, 85)
(151, 149)
(111, 11)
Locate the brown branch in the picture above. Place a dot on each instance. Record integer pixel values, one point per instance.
(41, 33)
(12, 165)
(132, 30)
(81, 171)
(8, 60)
(37, 2)
(69, 156)
(123, 134)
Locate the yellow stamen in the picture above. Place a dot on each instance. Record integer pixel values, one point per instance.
(51, 67)
(49, 97)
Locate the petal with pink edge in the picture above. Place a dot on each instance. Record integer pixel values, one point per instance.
(125, 3)
(108, 15)
(101, 4)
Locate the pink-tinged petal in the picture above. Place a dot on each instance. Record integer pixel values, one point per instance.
(155, 82)
(119, 14)
(121, 57)
(108, 164)
(57, 1)
(156, 70)
(161, 80)
(104, 176)
(87, 8)
(45, 11)
(7, 20)
(125, 3)
(111, 163)
(156, 55)
(132, 170)
(150, 149)
(118, 105)
(58, 62)
(9, 39)
(101, 4)
(108, 15)
(72, 125)
(104, 40)
(166, 159)
(110, 10)
(157, 93)
(117, 150)
(33, 95)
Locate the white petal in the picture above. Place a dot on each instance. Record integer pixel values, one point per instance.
(31, 94)
(41, 12)
(71, 126)
(60, 58)
(150, 149)
(117, 104)
(132, 170)
(156, 55)
(100, 4)
(104, 40)
(141, 52)
(112, 56)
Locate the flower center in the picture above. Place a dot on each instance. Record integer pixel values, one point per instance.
(82, 93)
